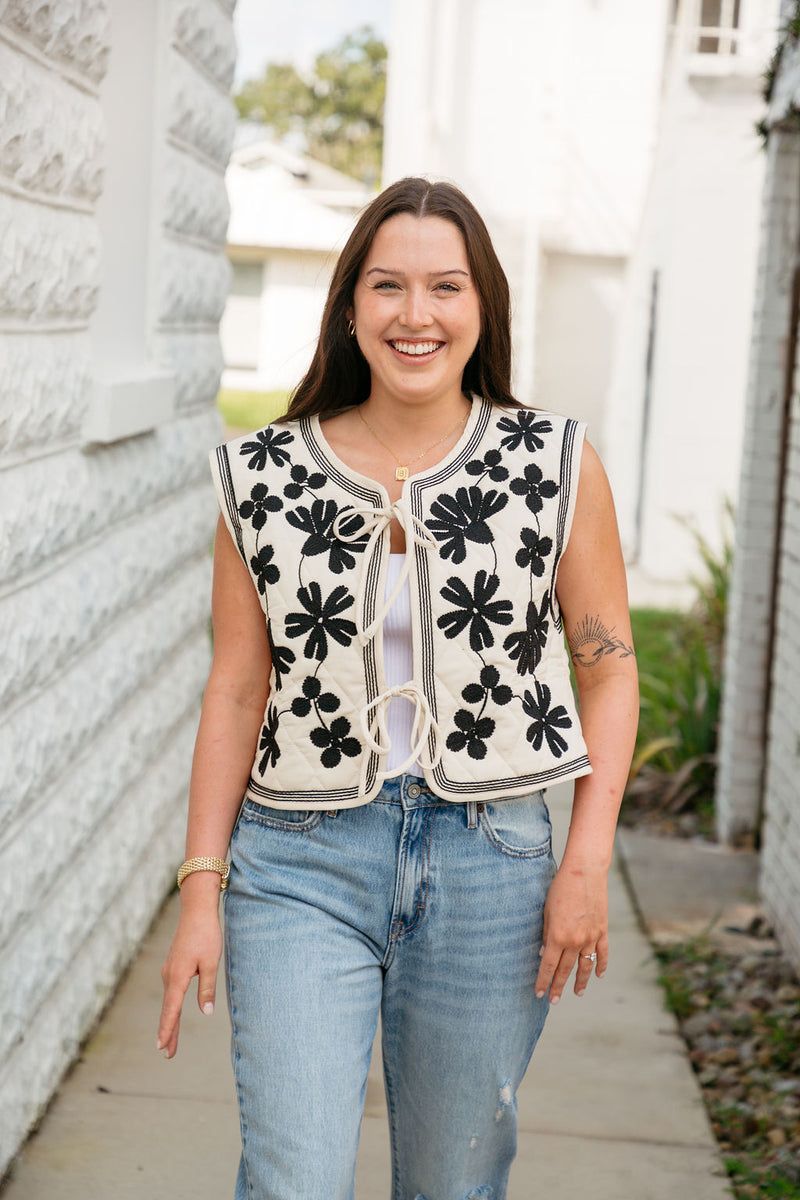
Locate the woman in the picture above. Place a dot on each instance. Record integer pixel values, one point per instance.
(419, 543)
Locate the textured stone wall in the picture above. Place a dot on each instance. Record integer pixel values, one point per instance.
(104, 550)
(742, 744)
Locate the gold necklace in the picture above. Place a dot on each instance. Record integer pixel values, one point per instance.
(401, 471)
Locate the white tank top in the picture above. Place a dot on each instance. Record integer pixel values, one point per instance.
(399, 666)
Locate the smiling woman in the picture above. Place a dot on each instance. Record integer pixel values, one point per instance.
(396, 564)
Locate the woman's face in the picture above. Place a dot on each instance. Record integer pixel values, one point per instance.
(416, 310)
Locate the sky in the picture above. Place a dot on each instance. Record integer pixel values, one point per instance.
(297, 30)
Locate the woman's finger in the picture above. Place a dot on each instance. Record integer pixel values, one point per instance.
(169, 1022)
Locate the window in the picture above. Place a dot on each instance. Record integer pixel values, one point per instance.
(718, 25)
(240, 329)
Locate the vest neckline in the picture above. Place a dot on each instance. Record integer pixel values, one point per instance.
(328, 453)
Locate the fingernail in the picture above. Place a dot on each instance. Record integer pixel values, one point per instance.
(208, 1008)
(600, 974)
(165, 1052)
(581, 992)
(539, 995)
(158, 1043)
(554, 999)
(541, 951)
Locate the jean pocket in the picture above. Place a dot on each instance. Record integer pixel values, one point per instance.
(293, 820)
(520, 826)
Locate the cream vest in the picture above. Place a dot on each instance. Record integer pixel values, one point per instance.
(485, 530)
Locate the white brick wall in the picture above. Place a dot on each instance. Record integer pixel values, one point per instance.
(742, 741)
(104, 550)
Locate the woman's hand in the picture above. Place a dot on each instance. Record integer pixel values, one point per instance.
(195, 950)
(575, 926)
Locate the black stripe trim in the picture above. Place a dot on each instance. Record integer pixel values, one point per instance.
(226, 479)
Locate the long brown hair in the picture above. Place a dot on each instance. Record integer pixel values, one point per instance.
(339, 375)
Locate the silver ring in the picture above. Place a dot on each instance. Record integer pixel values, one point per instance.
(591, 957)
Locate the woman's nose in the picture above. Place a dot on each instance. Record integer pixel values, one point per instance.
(416, 311)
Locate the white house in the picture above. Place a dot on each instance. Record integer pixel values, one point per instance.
(604, 141)
(289, 218)
(115, 128)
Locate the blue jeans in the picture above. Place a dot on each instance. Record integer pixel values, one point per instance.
(425, 911)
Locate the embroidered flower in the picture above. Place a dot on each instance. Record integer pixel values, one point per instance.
(260, 503)
(472, 733)
(534, 488)
(264, 568)
(488, 465)
(269, 443)
(313, 695)
(269, 741)
(524, 427)
(526, 646)
(474, 609)
(546, 720)
(334, 742)
(301, 480)
(534, 551)
(490, 685)
(321, 619)
(464, 515)
(317, 522)
(282, 658)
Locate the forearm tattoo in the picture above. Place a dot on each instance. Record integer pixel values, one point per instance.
(591, 640)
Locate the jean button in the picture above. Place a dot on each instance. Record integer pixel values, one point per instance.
(414, 790)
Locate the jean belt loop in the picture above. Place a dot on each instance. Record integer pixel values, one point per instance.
(472, 814)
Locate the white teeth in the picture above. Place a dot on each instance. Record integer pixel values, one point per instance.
(416, 347)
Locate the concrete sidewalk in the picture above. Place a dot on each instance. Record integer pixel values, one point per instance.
(609, 1110)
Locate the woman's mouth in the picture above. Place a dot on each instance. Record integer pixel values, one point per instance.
(415, 349)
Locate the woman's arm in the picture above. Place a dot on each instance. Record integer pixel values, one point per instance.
(592, 594)
(233, 710)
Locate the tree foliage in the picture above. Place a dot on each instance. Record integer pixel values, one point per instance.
(337, 110)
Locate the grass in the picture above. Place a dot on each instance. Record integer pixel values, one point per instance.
(251, 410)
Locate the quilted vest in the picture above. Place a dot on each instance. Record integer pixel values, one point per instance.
(485, 530)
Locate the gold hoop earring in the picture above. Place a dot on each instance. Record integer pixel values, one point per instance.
(351, 329)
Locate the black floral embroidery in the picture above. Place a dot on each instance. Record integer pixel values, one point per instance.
(302, 480)
(317, 522)
(321, 619)
(546, 720)
(264, 569)
(534, 551)
(260, 503)
(472, 733)
(474, 609)
(314, 697)
(333, 740)
(269, 740)
(524, 427)
(464, 516)
(526, 646)
(282, 658)
(534, 488)
(474, 729)
(269, 443)
(488, 465)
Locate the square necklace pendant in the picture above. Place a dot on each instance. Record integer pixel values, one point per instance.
(401, 473)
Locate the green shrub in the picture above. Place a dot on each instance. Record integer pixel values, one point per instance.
(251, 410)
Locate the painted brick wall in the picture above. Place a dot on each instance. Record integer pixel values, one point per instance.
(780, 859)
(742, 742)
(104, 549)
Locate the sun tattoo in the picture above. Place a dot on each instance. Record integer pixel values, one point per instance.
(592, 640)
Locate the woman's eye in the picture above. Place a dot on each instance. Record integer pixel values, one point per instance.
(385, 285)
(446, 287)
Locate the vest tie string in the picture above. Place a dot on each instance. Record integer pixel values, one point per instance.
(375, 521)
(373, 721)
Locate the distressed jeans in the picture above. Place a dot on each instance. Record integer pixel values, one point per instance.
(426, 912)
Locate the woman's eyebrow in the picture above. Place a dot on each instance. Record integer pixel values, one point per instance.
(431, 274)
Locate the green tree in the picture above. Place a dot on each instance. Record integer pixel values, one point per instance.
(337, 110)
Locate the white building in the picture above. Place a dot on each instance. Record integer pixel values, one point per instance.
(290, 217)
(602, 147)
(115, 128)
